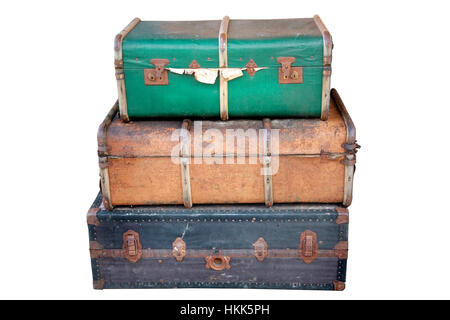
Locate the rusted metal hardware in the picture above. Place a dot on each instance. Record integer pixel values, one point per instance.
(351, 147)
(218, 262)
(251, 65)
(194, 65)
(99, 284)
(341, 250)
(132, 247)
(179, 249)
(343, 215)
(308, 247)
(118, 63)
(157, 76)
(184, 161)
(119, 74)
(92, 218)
(267, 163)
(260, 247)
(325, 155)
(288, 74)
(339, 285)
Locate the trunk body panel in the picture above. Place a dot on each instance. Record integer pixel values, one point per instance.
(262, 41)
(230, 230)
(310, 161)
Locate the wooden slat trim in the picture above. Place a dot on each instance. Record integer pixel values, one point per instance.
(349, 157)
(326, 75)
(185, 153)
(103, 156)
(267, 164)
(223, 63)
(118, 61)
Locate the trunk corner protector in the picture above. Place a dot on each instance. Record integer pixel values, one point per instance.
(339, 285)
(118, 62)
(343, 216)
(121, 35)
(92, 218)
(350, 126)
(99, 284)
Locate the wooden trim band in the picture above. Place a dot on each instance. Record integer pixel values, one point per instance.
(103, 153)
(326, 75)
(118, 62)
(185, 153)
(267, 164)
(223, 63)
(350, 158)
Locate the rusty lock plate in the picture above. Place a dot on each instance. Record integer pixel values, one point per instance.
(157, 76)
(288, 74)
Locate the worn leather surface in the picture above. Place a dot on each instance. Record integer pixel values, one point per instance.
(141, 170)
(260, 95)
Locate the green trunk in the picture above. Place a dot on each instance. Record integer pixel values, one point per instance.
(261, 95)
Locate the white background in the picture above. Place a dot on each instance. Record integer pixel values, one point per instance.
(390, 65)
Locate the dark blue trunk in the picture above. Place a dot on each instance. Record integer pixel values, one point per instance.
(287, 259)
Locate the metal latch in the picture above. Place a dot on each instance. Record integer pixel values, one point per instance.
(132, 248)
(179, 249)
(157, 76)
(308, 247)
(194, 65)
(288, 74)
(260, 249)
(251, 65)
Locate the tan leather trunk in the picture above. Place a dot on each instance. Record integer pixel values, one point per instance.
(155, 163)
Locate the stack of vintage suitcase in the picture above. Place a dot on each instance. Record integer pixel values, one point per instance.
(227, 160)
